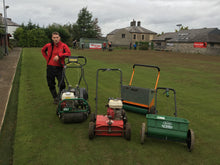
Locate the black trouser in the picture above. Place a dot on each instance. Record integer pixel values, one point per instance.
(52, 73)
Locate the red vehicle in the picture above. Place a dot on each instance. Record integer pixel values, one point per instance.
(114, 123)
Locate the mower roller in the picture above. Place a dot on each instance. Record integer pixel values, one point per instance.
(137, 99)
(168, 127)
(73, 106)
(114, 123)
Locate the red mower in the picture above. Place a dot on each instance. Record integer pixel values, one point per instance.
(114, 123)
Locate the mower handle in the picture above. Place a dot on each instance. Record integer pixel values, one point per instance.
(167, 90)
(74, 59)
(97, 75)
(107, 69)
(150, 66)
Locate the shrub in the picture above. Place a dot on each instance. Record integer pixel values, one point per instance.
(143, 45)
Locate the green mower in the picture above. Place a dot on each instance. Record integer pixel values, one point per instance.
(168, 127)
(73, 106)
(137, 99)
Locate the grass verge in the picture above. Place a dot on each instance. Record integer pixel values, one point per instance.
(9, 126)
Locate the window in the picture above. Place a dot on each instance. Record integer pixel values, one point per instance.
(123, 36)
(134, 37)
(142, 37)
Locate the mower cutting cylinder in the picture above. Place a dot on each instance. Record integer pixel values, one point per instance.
(136, 109)
(73, 117)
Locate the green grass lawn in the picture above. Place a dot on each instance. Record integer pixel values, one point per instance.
(41, 138)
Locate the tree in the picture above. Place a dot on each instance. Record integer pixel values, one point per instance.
(85, 26)
(30, 35)
(97, 29)
(64, 33)
(160, 34)
(182, 28)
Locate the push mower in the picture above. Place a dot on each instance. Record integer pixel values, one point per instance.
(73, 106)
(167, 127)
(137, 99)
(114, 123)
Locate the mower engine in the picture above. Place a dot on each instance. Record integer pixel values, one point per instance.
(115, 110)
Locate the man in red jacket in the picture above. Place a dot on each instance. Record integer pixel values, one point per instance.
(55, 53)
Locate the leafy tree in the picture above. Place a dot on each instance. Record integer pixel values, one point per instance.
(160, 34)
(30, 35)
(182, 28)
(85, 26)
(64, 33)
(97, 29)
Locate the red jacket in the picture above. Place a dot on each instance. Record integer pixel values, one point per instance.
(61, 50)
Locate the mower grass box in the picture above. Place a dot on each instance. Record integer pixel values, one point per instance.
(138, 99)
(138, 96)
(167, 127)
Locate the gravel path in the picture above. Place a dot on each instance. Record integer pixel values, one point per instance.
(8, 67)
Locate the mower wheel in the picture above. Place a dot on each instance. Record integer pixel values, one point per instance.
(190, 139)
(89, 108)
(153, 110)
(93, 117)
(91, 130)
(143, 133)
(128, 131)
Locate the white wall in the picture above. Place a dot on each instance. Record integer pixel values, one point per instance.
(11, 30)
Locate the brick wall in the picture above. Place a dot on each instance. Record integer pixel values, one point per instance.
(189, 48)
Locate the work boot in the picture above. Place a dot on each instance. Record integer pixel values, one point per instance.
(56, 100)
(53, 93)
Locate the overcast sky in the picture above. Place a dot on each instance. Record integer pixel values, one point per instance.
(155, 15)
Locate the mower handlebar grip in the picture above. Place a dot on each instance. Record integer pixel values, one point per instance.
(75, 60)
(108, 69)
(150, 66)
(166, 89)
(85, 60)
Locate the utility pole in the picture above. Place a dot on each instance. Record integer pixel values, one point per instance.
(6, 27)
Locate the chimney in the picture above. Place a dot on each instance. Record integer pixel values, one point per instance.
(134, 22)
(139, 23)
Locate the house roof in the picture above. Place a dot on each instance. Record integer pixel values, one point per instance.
(9, 21)
(133, 29)
(192, 35)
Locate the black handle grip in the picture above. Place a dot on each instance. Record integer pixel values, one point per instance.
(150, 66)
(166, 89)
(107, 69)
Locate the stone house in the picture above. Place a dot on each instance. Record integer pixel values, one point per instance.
(203, 41)
(130, 35)
(12, 26)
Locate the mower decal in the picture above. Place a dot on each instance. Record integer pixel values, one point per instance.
(66, 109)
(167, 125)
(161, 117)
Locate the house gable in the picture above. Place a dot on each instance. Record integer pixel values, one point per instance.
(131, 34)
